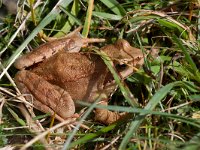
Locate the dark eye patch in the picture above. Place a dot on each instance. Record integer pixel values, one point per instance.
(120, 66)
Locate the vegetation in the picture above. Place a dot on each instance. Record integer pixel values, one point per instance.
(166, 88)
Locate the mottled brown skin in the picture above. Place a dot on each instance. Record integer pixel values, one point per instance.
(66, 77)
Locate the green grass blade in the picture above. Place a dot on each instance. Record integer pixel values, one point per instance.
(41, 116)
(71, 20)
(91, 136)
(141, 18)
(108, 16)
(114, 6)
(173, 26)
(195, 97)
(19, 120)
(187, 56)
(198, 27)
(185, 70)
(190, 121)
(86, 26)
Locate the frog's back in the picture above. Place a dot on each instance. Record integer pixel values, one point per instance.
(78, 73)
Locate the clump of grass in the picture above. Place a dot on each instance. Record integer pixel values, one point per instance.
(166, 88)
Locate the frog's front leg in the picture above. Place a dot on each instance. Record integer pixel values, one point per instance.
(73, 42)
(46, 97)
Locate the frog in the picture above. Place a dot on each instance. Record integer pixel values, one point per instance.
(55, 83)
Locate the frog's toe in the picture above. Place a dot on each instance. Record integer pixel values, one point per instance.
(107, 117)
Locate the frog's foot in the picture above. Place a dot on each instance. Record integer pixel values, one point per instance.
(69, 35)
(45, 96)
(107, 117)
(86, 41)
(76, 35)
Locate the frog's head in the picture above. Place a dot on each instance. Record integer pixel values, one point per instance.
(123, 53)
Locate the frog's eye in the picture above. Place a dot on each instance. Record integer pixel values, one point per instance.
(70, 45)
(121, 66)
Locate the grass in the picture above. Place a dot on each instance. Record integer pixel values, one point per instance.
(166, 89)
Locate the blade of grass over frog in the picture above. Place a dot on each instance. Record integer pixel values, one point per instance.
(71, 20)
(19, 120)
(149, 112)
(89, 110)
(115, 7)
(159, 95)
(108, 16)
(124, 89)
(187, 56)
(86, 26)
(51, 16)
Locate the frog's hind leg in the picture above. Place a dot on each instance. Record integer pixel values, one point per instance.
(45, 96)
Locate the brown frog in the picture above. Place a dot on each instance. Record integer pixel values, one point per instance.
(59, 80)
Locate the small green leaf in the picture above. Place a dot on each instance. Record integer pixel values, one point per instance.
(19, 120)
(107, 16)
(42, 116)
(114, 6)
